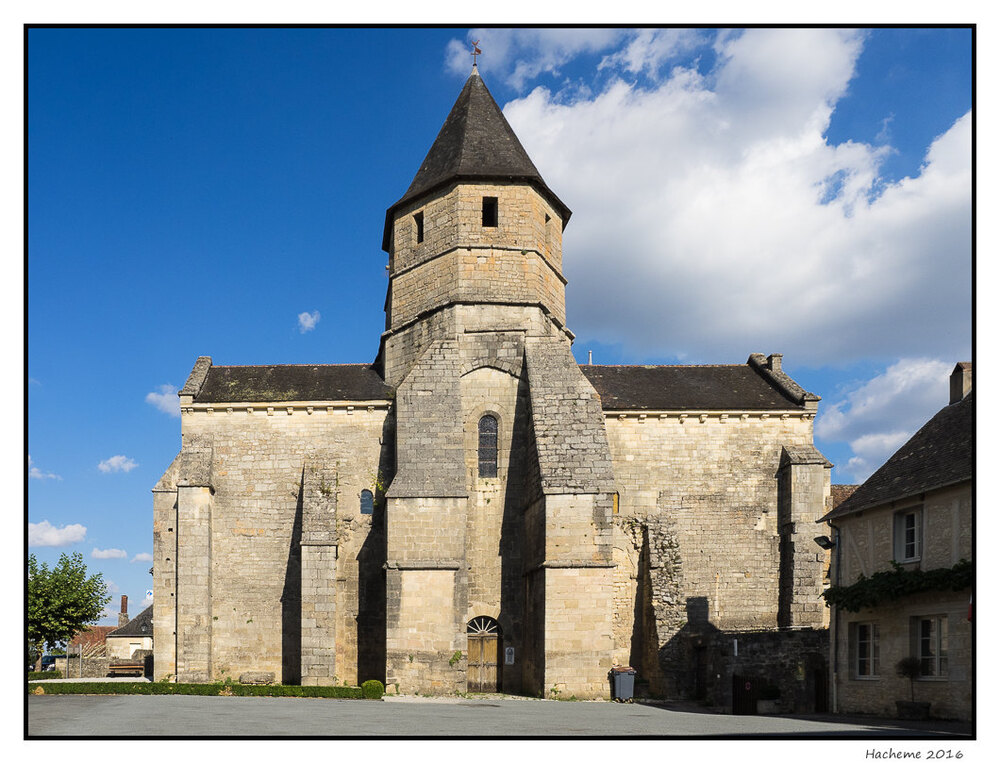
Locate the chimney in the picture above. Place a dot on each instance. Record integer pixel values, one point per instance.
(123, 615)
(961, 381)
(774, 362)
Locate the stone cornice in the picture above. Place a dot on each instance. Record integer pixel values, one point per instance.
(285, 408)
(695, 416)
(459, 303)
(425, 564)
(474, 247)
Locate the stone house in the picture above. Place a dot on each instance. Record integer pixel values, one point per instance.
(475, 510)
(914, 511)
(136, 635)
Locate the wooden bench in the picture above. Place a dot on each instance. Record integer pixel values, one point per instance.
(125, 668)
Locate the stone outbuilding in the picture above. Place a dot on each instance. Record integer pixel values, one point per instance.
(475, 510)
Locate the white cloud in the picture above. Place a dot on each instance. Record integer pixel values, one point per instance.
(117, 463)
(165, 400)
(113, 588)
(650, 49)
(308, 321)
(46, 534)
(37, 474)
(146, 602)
(143, 557)
(108, 554)
(713, 219)
(519, 55)
(875, 418)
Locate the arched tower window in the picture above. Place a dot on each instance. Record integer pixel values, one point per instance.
(488, 447)
(367, 502)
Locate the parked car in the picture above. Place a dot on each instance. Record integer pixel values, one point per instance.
(48, 663)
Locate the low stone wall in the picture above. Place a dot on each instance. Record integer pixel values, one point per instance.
(794, 661)
(76, 668)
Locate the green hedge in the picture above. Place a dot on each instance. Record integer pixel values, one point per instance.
(166, 688)
(35, 675)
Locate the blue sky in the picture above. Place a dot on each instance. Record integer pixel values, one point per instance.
(195, 192)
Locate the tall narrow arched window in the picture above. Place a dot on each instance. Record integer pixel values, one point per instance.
(367, 502)
(488, 447)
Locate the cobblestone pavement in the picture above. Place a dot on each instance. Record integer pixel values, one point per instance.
(188, 715)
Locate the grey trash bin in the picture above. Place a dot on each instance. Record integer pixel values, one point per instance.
(624, 683)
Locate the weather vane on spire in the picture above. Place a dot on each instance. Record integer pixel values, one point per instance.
(475, 52)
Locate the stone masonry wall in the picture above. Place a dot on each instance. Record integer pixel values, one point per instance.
(804, 476)
(429, 429)
(793, 661)
(165, 573)
(950, 697)
(425, 640)
(713, 481)
(318, 560)
(195, 602)
(477, 275)
(577, 634)
(254, 584)
(525, 221)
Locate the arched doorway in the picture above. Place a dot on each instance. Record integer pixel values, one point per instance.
(484, 654)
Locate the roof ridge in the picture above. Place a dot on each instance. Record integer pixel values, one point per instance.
(667, 365)
(271, 365)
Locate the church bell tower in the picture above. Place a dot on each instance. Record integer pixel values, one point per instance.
(477, 227)
(498, 517)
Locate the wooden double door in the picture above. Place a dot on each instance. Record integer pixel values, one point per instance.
(484, 654)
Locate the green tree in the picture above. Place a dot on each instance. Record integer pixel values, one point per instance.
(63, 600)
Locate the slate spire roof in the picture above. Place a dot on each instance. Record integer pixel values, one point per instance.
(475, 143)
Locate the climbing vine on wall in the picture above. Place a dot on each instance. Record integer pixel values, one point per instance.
(890, 585)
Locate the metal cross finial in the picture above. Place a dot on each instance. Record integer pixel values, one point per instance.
(475, 52)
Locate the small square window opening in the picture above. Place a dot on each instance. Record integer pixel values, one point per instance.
(490, 212)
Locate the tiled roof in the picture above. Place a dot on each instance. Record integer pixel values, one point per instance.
(334, 382)
(91, 636)
(841, 492)
(475, 143)
(940, 454)
(686, 388)
(140, 626)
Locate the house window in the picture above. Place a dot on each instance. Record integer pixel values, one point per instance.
(418, 222)
(906, 534)
(489, 212)
(931, 636)
(488, 447)
(864, 649)
(367, 502)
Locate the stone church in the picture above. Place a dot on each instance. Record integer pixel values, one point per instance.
(475, 510)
